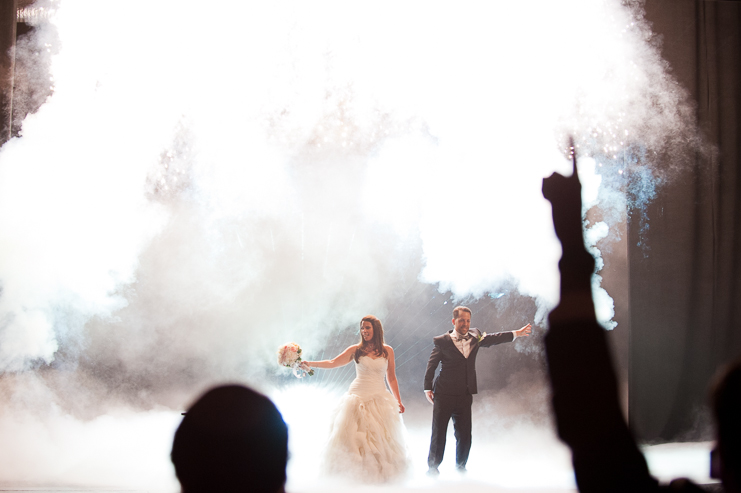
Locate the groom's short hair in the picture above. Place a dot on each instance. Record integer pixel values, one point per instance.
(458, 309)
(231, 439)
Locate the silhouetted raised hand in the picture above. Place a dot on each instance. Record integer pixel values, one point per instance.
(564, 194)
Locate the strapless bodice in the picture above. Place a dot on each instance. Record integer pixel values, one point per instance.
(369, 376)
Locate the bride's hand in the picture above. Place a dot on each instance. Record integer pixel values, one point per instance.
(401, 407)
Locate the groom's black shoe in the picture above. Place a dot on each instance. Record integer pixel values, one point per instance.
(432, 471)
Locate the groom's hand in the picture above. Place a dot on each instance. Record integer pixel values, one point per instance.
(430, 396)
(525, 331)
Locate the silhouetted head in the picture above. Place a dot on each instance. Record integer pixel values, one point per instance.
(726, 398)
(232, 439)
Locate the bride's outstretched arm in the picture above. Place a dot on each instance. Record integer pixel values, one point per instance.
(391, 377)
(344, 358)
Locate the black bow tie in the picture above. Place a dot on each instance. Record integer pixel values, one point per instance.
(465, 337)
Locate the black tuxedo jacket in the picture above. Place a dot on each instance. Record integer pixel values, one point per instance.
(458, 373)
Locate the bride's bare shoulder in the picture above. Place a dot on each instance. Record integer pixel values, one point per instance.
(351, 350)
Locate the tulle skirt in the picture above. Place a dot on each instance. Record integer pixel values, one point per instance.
(367, 440)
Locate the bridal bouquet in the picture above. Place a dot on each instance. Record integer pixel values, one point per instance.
(290, 357)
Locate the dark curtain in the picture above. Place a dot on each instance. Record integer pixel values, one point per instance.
(685, 288)
(7, 65)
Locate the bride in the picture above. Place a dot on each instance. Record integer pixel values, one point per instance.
(367, 436)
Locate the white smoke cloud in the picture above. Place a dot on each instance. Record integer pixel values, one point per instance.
(205, 185)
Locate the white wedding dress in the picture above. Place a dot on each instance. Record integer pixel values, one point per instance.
(367, 439)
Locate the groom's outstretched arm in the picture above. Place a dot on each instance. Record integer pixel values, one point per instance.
(502, 337)
(496, 338)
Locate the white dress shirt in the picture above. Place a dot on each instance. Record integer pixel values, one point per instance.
(463, 343)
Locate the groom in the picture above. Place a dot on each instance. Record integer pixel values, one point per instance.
(451, 394)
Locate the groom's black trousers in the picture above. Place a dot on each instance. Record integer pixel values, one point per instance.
(445, 407)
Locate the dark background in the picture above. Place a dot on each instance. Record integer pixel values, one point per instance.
(685, 296)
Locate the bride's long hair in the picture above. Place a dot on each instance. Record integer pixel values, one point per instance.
(376, 341)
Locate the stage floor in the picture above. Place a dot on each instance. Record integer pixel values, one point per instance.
(510, 470)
